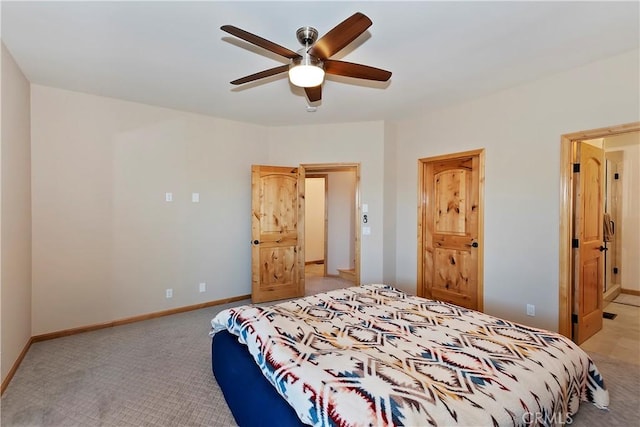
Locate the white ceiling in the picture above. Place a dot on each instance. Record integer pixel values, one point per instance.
(173, 54)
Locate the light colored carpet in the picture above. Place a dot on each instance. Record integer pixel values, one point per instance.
(628, 299)
(158, 373)
(151, 373)
(623, 382)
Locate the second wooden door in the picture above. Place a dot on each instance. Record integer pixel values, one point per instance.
(450, 221)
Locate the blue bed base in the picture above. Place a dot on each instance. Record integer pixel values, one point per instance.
(251, 397)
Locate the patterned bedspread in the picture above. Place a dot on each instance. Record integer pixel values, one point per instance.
(375, 356)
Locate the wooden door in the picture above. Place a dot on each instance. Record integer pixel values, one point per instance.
(277, 232)
(588, 245)
(450, 218)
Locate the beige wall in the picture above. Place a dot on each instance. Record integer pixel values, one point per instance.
(390, 203)
(15, 290)
(520, 129)
(314, 219)
(341, 219)
(106, 245)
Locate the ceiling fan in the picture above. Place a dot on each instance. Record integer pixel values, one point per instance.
(308, 65)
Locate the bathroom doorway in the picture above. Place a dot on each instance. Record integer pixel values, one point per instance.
(625, 227)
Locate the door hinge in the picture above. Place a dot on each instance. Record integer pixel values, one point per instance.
(616, 175)
(574, 318)
(575, 243)
(576, 167)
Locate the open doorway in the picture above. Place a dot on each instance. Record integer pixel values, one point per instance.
(570, 281)
(315, 225)
(332, 234)
(278, 229)
(621, 236)
(622, 196)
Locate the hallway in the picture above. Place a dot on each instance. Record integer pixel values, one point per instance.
(316, 282)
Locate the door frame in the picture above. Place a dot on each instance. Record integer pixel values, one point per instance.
(422, 229)
(322, 168)
(567, 144)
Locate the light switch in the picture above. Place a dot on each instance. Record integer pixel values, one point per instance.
(365, 208)
(531, 310)
(195, 197)
(366, 231)
(168, 197)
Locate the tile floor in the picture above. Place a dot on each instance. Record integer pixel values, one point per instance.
(316, 270)
(315, 281)
(619, 337)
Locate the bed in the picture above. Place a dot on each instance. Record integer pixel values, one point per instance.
(374, 355)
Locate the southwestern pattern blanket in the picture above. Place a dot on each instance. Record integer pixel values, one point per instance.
(374, 355)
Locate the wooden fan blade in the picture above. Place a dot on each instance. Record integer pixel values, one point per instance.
(359, 71)
(259, 41)
(261, 75)
(314, 93)
(340, 36)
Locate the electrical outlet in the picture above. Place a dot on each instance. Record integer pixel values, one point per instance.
(169, 293)
(195, 197)
(168, 197)
(203, 287)
(531, 310)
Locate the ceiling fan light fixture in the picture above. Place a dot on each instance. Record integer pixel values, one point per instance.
(306, 71)
(308, 65)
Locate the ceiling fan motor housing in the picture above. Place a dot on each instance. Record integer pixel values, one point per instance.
(307, 36)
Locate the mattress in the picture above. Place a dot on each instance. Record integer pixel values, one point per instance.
(373, 355)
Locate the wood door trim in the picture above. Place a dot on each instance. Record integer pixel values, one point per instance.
(300, 228)
(331, 167)
(567, 142)
(422, 227)
(320, 168)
